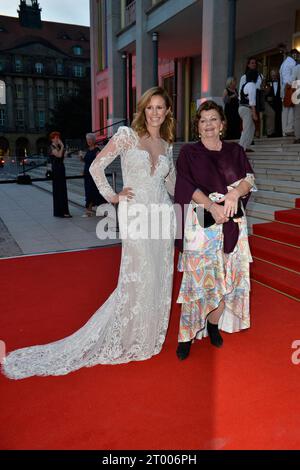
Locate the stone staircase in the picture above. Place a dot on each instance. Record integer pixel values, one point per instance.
(276, 163)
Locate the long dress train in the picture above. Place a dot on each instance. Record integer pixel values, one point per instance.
(131, 325)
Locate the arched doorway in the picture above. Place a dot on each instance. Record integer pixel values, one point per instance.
(22, 147)
(42, 146)
(4, 146)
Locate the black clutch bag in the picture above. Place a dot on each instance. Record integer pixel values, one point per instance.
(205, 218)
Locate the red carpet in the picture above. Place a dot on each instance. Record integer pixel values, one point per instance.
(244, 396)
(283, 255)
(275, 247)
(291, 216)
(277, 231)
(276, 277)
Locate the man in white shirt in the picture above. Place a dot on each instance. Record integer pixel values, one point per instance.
(247, 109)
(286, 71)
(296, 101)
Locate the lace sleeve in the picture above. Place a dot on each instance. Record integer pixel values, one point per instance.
(119, 144)
(171, 177)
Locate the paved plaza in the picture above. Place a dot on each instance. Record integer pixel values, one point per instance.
(27, 225)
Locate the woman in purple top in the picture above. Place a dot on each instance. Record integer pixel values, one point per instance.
(214, 292)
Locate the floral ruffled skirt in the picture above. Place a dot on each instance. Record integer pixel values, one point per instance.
(209, 275)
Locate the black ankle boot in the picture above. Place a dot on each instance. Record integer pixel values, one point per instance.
(214, 334)
(183, 350)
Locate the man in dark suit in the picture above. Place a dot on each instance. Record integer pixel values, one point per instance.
(273, 105)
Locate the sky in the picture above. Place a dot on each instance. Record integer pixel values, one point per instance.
(61, 11)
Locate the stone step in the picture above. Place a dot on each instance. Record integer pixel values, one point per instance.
(283, 174)
(280, 199)
(267, 156)
(253, 220)
(289, 187)
(280, 164)
(275, 149)
(274, 141)
(261, 211)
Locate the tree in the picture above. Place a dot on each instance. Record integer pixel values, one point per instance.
(72, 115)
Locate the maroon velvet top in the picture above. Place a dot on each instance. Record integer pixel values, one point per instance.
(210, 171)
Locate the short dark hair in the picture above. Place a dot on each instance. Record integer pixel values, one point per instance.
(207, 106)
(252, 76)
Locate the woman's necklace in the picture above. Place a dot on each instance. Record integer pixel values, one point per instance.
(215, 147)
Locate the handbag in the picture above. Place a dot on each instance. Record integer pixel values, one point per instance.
(287, 100)
(206, 219)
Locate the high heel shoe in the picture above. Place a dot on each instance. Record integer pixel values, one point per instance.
(183, 350)
(214, 334)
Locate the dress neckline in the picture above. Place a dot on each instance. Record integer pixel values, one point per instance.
(153, 166)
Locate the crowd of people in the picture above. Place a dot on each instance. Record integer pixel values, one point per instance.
(268, 99)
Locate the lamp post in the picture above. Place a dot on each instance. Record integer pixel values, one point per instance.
(155, 58)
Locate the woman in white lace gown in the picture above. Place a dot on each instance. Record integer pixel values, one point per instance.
(131, 325)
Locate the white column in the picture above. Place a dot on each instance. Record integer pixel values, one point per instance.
(214, 49)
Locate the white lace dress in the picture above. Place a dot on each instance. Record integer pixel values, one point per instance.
(131, 325)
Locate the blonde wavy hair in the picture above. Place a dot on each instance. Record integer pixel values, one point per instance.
(139, 123)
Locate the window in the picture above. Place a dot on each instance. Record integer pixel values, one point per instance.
(60, 68)
(41, 119)
(59, 92)
(39, 67)
(77, 50)
(76, 91)
(18, 65)
(78, 70)
(40, 91)
(1, 66)
(20, 117)
(2, 117)
(2, 92)
(19, 90)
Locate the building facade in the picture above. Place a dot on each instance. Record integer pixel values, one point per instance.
(40, 63)
(189, 47)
